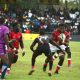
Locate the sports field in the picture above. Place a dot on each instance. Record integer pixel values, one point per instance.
(23, 66)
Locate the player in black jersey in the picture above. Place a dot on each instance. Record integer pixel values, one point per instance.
(43, 47)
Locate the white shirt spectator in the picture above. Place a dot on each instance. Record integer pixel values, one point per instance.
(73, 16)
(30, 14)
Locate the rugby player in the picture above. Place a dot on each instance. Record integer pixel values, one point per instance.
(43, 47)
(15, 37)
(4, 44)
(60, 36)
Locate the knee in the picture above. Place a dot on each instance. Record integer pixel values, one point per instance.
(15, 58)
(62, 58)
(50, 59)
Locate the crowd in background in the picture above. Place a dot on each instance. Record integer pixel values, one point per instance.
(32, 20)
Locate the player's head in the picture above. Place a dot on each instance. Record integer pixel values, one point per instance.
(68, 28)
(16, 28)
(61, 27)
(41, 32)
(1, 19)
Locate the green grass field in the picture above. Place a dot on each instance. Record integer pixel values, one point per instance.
(23, 66)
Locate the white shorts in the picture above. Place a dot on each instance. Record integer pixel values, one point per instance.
(54, 48)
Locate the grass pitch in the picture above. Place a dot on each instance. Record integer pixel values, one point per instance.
(20, 70)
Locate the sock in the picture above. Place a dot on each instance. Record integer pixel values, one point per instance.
(58, 68)
(50, 71)
(69, 62)
(8, 69)
(4, 68)
(45, 64)
(33, 67)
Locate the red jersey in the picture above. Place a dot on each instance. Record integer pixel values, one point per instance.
(17, 37)
(68, 33)
(56, 35)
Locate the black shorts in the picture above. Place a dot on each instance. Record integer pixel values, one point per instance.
(43, 49)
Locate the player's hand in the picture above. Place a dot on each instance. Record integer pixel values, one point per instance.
(23, 52)
(15, 51)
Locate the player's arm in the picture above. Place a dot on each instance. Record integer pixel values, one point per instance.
(22, 46)
(11, 40)
(55, 44)
(33, 44)
(21, 43)
(6, 39)
(10, 45)
(53, 36)
(67, 40)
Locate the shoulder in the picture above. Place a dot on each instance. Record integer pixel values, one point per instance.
(20, 33)
(36, 40)
(5, 27)
(67, 33)
(56, 32)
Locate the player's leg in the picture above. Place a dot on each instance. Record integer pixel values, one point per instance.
(1, 63)
(11, 57)
(5, 65)
(60, 63)
(50, 65)
(53, 49)
(68, 51)
(33, 60)
(46, 62)
(48, 54)
(37, 52)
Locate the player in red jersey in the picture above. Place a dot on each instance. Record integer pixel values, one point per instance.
(67, 40)
(15, 37)
(59, 36)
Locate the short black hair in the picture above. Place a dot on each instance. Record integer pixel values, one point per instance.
(42, 32)
(61, 25)
(14, 24)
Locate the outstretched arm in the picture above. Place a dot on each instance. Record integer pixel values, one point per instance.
(22, 46)
(6, 38)
(33, 44)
